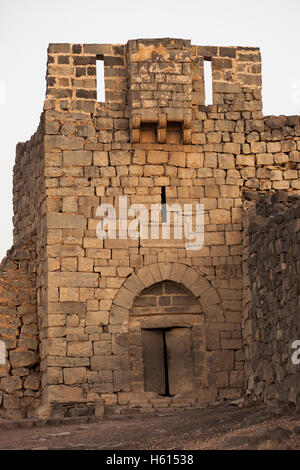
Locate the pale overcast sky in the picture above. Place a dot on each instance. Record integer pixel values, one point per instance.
(27, 26)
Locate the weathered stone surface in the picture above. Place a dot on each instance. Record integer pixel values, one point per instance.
(57, 142)
(118, 157)
(64, 394)
(269, 241)
(74, 375)
(65, 221)
(77, 158)
(220, 216)
(19, 358)
(73, 307)
(80, 349)
(100, 158)
(11, 384)
(57, 346)
(73, 279)
(33, 382)
(276, 122)
(156, 158)
(115, 362)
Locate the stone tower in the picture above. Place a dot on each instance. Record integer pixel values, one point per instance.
(137, 323)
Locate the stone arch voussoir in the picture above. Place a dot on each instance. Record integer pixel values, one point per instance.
(151, 274)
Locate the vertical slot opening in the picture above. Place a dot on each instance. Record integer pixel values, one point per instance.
(100, 79)
(208, 84)
(167, 389)
(163, 205)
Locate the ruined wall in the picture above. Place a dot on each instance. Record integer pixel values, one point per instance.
(21, 281)
(272, 155)
(271, 298)
(20, 375)
(28, 184)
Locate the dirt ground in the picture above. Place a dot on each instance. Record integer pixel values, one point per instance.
(226, 427)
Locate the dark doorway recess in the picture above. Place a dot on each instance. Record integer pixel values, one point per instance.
(168, 360)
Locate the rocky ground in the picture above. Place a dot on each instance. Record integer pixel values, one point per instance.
(227, 427)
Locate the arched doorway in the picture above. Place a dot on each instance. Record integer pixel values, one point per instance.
(166, 340)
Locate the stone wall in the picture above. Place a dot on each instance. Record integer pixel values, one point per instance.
(20, 376)
(22, 287)
(272, 155)
(153, 134)
(97, 152)
(271, 298)
(28, 185)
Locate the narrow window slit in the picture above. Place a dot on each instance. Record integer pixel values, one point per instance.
(208, 85)
(163, 205)
(167, 388)
(100, 79)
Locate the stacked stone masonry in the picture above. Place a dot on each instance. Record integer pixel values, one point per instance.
(93, 317)
(271, 297)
